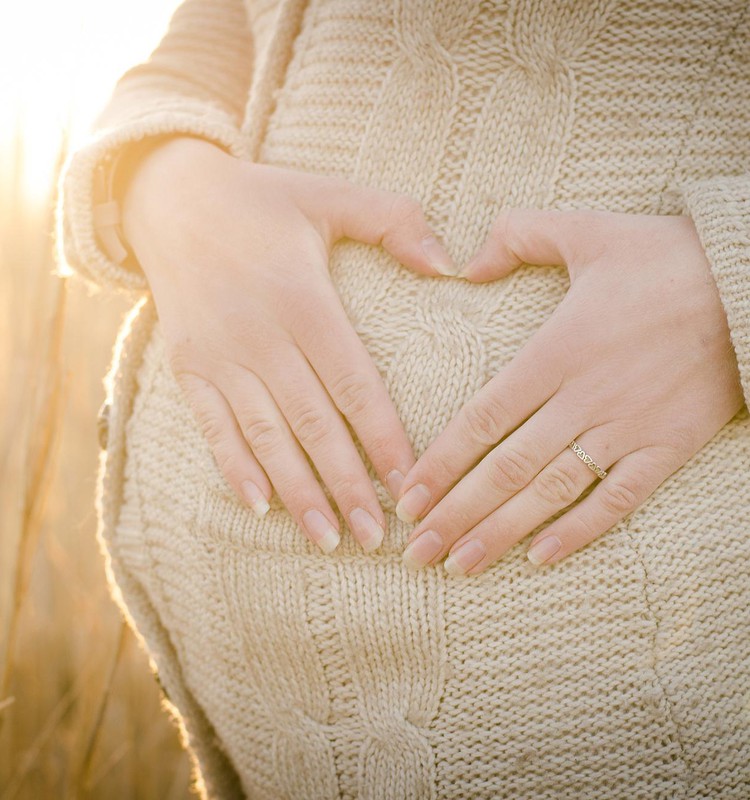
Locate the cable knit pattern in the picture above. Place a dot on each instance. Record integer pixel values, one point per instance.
(622, 672)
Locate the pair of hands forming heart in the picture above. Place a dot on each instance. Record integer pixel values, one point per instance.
(636, 362)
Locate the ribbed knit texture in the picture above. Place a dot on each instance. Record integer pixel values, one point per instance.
(195, 82)
(623, 671)
(721, 212)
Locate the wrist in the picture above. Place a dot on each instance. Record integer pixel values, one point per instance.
(167, 173)
(116, 174)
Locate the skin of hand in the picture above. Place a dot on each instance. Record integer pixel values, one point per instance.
(236, 255)
(635, 364)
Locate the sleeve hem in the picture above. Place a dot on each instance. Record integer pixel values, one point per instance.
(720, 210)
(78, 247)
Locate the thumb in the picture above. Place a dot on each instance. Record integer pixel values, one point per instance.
(397, 222)
(525, 236)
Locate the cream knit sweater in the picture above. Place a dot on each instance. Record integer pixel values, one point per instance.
(623, 671)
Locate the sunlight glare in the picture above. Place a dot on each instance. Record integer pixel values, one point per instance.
(58, 65)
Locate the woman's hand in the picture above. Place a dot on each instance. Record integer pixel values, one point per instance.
(236, 255)
(635, 364)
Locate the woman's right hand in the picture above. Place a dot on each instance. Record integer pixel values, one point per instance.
(236, 256)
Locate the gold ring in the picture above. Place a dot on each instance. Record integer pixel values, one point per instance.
(587, 460)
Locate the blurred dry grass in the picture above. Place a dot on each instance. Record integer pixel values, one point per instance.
(80, 712)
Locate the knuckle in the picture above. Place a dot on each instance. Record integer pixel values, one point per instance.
(303, 309)
(211, 427)
(303, 303)
(455, 519)
(181, 357)
(617, 498)
(250, 335)
(238, 325)
(227, 463)
(509, 232)
(261, 434)
(683, 440)
(404, 207)
(558, 484)
(484, 421)
(351, 391)
(589, 231)
(437, 467)
(380, 446)
(588, 530)
(505, 228)
(508, 470)
(346, 490)
(310, 427)
(403, 210)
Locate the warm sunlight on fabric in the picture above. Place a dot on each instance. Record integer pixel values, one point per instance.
(58, 63)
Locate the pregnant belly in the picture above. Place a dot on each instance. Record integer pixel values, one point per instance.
(436, 341)
(621, 672)
(350, 676)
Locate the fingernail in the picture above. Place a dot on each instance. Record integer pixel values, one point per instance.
(465, 268)
(369, 533)
(255, 498)
(394, 480)
(437, 256)
(461, 560)
(543, 550)
(413, 503)
(423, 549)
(321, 531)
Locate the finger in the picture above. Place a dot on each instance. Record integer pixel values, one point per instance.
(531, 236)
(321, 431)
(266, 431)
(558, 485)
(629, 483)
(505, 471)
(348, 373)
(498, 408)
(233, 457)
(392, 220)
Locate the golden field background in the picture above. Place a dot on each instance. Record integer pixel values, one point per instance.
(80, 713)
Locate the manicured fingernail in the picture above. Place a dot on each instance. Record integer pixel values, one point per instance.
(543, 550)
(423, 549)
(394, 480)
(437, 256)
(464, 269)
(369, 533)
(255, 498)
(413, 503)
(321, 531)
(461, 560)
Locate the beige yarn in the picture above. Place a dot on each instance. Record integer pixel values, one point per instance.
(623, 671)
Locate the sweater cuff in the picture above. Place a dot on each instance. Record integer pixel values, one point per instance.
(79, 249)
(720, 209)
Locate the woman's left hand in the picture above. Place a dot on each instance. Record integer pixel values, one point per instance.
(635, 364)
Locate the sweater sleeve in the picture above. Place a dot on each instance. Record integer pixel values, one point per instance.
(194, 83)
(720, 209)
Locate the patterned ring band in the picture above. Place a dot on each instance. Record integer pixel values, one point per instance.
(586, 458)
